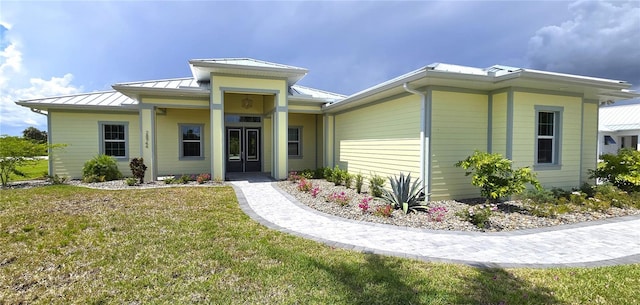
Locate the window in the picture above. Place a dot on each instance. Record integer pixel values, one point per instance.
(191, 145)
(294, 145)
(608, 140)
(113, 139)
(548, 124)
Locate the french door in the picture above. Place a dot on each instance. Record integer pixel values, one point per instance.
(243, 149)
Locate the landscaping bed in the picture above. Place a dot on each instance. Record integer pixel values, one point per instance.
(443, 215)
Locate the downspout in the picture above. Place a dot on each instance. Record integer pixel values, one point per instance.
(425, 136)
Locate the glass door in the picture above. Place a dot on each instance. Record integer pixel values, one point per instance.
(243, 149)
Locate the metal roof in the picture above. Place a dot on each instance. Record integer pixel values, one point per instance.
(174, 83)
(109, 99)
(618, 118)
(246, 62)
(297, 91)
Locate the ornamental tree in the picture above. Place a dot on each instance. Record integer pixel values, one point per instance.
(16, 152)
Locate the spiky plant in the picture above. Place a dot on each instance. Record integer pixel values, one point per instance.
(404, 194)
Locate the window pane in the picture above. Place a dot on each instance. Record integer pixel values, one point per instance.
(114, 149)
(294, 134)
(191, 149)
(545, 123)
(234, 144)
(545, 150)
(114, 132)
(252, 145)
(293, 149)
(190, 132)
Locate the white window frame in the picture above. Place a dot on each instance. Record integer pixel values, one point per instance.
(556, 138)
(182, 141)
(102, 139)
(298, 142)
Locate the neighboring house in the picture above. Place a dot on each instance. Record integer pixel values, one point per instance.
(245, 115)
(618, 127)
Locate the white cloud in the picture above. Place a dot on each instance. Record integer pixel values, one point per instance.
(14, 118)
(601, 40)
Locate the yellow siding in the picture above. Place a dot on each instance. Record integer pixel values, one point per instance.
(160, 102)
(499, 124)
(524, 137)
(233, 104)
(459, 126)
(590, 140)
(382, 138)
(308, 124)
(168, 146)
(81, 133)
(305, 108)
(267, 146)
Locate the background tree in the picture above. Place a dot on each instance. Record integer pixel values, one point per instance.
(34, 134)
(15, 152)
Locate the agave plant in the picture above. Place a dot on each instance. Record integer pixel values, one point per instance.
(404, 194)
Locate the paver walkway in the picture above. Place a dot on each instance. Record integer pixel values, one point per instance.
(609, 242)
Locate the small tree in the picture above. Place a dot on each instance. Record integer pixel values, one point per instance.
(138, 168)
(34, 134)
(15, 152)
(494, 176)
(621, 170)
(101, 168)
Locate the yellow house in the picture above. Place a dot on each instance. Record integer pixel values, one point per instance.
(246, 115)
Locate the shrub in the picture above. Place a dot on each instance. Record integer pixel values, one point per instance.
(130, 181)
(404, 194)
(304, 185)
(494, 176)
(348, 179)
(339, 198)
(101, 168)
(169, 180)
(376, 184)
(56, 180)
(328, 174)
(318, 173)
(359, 181)
(383, 211)
(622, 170)
(138, 168)
(479, 215)
(307, 173)
(338, 175)
(184, 179)
(202, 178)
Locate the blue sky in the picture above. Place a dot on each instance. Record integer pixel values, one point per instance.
(55, 48)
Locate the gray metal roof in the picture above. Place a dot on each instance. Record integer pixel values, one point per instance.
(246, 62)
(174, 83)
(297, 91)
(110, 99)
(618, 118)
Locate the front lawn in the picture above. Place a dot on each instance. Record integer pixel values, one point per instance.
(37, 169)
(64, 244)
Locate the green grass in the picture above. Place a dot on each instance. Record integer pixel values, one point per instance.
(33, 170)
(63, 244)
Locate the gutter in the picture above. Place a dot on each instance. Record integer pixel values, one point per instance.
(425, 139)
(38, 111)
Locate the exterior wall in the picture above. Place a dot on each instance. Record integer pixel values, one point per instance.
(309, 140)
(524, 137)
(168, 146)
(233, 104)
(458, 127)
(589, 140)
(174, 102)
(277, 87)
(499, 124)
(80, 132)
(382, 138)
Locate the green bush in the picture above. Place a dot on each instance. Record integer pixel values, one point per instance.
(338, 175)
(101, 168)
(376, 184)
(622, 170)
(404, 194)
(327, 174)
(130, 181)
(348, 180)
(359, 182)
(495, 177)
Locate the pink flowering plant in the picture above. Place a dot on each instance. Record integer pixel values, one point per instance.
(202, 178)
(293, 177)
(340, 198)
(315, 191)
(304, 185)
(364, 204)
(383, 211)
(437, 213)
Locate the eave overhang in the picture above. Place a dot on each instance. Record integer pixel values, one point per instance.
(137, 92)
(202, 69)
